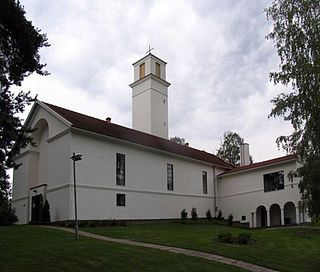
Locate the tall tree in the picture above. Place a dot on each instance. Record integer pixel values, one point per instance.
(178, 140)
(296, 34)
(230, 148)
(20, 42)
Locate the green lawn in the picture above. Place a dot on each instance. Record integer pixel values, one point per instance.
(34, 248)
(285, 249)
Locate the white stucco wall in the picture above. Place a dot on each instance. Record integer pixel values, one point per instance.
(242, 193)
(141, 111)
(150, 107)
(159, 115)
(47, 163)
(146, 191)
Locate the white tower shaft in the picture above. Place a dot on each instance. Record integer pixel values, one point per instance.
(150, 96)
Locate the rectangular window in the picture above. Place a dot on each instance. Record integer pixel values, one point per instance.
(120, 165)
(273, 181)
(204, 182)
(158, 69)
(142, 70)
(170, 177)
(121, 200)
(243, 218)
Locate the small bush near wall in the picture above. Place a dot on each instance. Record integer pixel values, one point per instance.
(219, 215)
(244, 238)
(208, 214)
(225, 238)
(194, 214)
(184, 214)
(230, 219)
(46, 218)
(7, 216)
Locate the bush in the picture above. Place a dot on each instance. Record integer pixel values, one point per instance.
(7, 216)
(103, 223)
(244, 238)
(219, 215)
(230, 219)
(225, 238)
(208, 214)
(46, 218)
(92, 223)
(184, 214)
(123, 224)
(113, 223)
(194, 214)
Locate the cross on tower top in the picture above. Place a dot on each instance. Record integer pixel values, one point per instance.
(149, 50)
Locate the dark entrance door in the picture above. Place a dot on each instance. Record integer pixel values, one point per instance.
(36, 212)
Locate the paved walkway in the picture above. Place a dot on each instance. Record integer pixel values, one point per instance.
(216, 258)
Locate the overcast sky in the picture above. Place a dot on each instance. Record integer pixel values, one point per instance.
(218, 64)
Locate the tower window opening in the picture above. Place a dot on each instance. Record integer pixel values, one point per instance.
(158, 69)
(142, 70)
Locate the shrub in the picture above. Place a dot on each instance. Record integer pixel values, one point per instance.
(7, 216)
(219, 215)
(113, 223)
(46, 218)
(92, 223)
(244, 238)
(103, 223)
(225, 238)
(184, 214)
(230, 219)
(194, 214)
(123, 224)
(208, 214)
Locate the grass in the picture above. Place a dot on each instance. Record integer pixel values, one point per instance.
(284, 249)
(34, 248)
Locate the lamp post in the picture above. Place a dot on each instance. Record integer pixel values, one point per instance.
(75, 157)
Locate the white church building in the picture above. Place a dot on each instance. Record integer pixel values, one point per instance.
(139, 174)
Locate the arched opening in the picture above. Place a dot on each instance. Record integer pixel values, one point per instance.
(289, 213)
(40, 164)
(261, 214)
(39, 169)
(275, 215)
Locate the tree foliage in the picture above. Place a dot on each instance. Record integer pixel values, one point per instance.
(20, 42)
(178, 140)
(296, 34)
(230, 148)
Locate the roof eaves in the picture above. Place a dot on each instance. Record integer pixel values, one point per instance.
(166, 83)
(258, 166)
(85, 131)
(150, 54)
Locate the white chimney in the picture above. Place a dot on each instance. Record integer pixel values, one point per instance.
(244, 154)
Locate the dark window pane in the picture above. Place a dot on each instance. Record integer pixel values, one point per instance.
(204, 182)
(120, 171)
(121, 200)
(170, 177)
(273, 181)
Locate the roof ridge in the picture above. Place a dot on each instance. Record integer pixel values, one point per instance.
(79, 113)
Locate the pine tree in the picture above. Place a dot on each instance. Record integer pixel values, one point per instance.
(20, 42)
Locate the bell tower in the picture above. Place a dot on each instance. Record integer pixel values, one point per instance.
(150, 96)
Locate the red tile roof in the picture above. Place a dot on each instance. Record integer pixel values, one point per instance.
(261, 164)
(99, 126)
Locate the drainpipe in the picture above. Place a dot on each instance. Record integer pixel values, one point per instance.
(215, 191)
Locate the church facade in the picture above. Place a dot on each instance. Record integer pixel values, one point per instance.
(138, 174)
